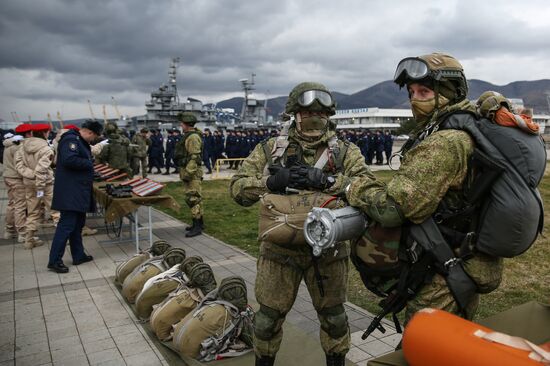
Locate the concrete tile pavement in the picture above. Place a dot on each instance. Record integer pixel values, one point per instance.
(79, 318)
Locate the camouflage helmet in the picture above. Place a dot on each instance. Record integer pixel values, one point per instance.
(187, 118)
(174, 256)
(159, 247)
(233, 290)
(490, 102)
(440, 72)
(187, 265)
(202, 277)
(322, 101)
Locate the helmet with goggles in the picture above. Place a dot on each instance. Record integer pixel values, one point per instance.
(439, 71)
(310, 96)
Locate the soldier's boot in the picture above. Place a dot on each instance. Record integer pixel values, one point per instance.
(336, 360)
(32, 241)
(158, 171)
(86, 231)
(21, 237)
(201, 222)
(195, 229)
(167, 172)
(264, 361)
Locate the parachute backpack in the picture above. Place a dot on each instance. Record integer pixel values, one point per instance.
(156, 289)
(187, 265)
(508, 166)
(181, 302)
(214, 329)
(125, 268)
(133, 284)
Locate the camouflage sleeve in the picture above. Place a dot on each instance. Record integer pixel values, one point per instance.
(103, 154)
(193, 145)
(427, 172)
(248, 184)
(354, 166)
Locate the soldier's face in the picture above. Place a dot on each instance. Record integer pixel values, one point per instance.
(420, 92)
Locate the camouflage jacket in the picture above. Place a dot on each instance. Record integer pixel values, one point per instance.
(188, 155)
(142, 144)
(250, 181)
(116, 153)
(436, 168)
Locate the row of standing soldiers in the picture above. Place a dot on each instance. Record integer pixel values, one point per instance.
(148, 149)
(372, 144)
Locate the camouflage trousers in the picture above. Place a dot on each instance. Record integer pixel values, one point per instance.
(277, 282)
(135, 166)
(17, 206)
(193, 197)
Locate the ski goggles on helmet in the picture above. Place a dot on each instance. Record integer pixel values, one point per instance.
(410, 68)
(308, 97)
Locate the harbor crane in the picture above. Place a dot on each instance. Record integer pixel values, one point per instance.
(91, 110)
(60, 120)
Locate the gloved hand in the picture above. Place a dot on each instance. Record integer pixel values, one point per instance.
(104, 142)
(306, 177)
(39, 194)
(278, 180)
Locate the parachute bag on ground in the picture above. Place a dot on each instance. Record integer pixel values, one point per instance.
(154, 294)
(125, 268)
(173, 309)
(189, 333)
(133, 284)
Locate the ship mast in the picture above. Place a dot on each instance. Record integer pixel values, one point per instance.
(172, 72)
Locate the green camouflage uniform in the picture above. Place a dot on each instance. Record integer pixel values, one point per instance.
(433, 171)
(188, 156)
(140, 154)
(117, 153)
(280, 268)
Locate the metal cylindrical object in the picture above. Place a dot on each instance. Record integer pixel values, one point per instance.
(324, 227)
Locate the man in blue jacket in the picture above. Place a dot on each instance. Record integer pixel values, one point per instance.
(73, 193)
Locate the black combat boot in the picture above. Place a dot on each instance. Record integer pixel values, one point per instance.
(199, 221)
(265, 361)
(336, 360)
(167, 172)
(158, 171)
(195, 229)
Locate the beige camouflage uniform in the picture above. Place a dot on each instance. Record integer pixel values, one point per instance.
(17, 205)
(281, 268)
(34, 162)
(188, 156)
(434, 170)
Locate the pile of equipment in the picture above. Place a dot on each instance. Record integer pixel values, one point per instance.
(178, 298)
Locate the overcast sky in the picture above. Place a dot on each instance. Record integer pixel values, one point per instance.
(55, 54)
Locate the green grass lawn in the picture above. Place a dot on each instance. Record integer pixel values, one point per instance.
(526, 277)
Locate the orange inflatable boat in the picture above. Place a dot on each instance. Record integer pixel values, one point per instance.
(438, 338)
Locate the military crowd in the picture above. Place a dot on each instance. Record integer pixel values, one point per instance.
(427, 242)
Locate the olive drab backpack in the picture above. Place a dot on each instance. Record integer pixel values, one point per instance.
(125, 268)
(508, 166)
(217, 327)
(182, 301)
(188, 263)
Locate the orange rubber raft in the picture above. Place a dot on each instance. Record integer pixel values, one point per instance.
(436, 338)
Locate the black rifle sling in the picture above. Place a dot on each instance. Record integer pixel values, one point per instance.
(429, 237)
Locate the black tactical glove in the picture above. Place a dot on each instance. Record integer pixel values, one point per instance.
(306, 177)
(278, 180)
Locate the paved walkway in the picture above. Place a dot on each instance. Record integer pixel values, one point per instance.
(79, 318)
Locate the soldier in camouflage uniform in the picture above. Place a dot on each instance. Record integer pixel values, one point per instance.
(433, 176)
(188, 157)
(142, 143)
(281, 267)
(117, 152)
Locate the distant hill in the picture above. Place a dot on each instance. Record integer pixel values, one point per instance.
(387, 95)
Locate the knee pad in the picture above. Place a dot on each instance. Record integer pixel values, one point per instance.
(334, 321)
(192, 199)
(267, 322)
